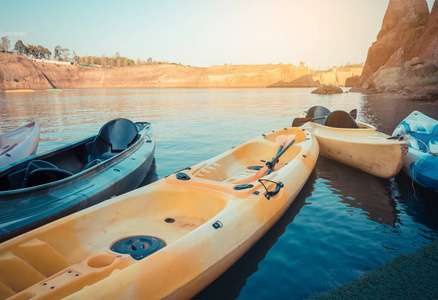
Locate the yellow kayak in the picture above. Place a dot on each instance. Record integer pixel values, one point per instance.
(169, 239)
(20, 91)
(356, 144)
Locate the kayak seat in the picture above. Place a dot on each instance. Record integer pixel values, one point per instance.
(119, 134)
(45, 175)
(316, 112)
(37, 164)
(424, 139)
(434, 129)
(406, 126)
(340, 119)
(92, 164)
(114, 137)
(40, 172)
(17, 179)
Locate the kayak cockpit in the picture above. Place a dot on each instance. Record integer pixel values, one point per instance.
(423, 136)
(114, 137)
(240, 164)
(85, 248)
(45, 169)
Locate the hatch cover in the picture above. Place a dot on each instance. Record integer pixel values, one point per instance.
(138, 246)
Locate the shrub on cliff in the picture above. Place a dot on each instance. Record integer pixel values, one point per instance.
(421, 19)
(432, 80)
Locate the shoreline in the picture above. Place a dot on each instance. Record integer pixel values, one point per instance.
(420, 94)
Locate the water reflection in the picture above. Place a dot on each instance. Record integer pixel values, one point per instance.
(151, 176)
(418, 202)
(359, 190)
(387, 111)
(230, 284)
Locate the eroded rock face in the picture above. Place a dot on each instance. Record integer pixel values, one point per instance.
(352, 81)
(37, 75)
(406, 50)
(303, 81)
(399, 30)
(401, 13)
(336, 76)
(17, 72)
(427, 44)
(425, 94)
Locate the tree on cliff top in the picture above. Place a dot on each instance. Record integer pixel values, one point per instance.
(117, 57)
(31, 50)
(76, 58)
(6, 43)
(57, 51)
(65, 54)
(19, 47)
(43, 52)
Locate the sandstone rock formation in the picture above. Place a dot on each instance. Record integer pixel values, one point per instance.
(424, 94)
(398, 30)
(406, 50)
(328, 90)
(17, 72)
(352, 81)
(336, 76)
(427, 44)
(303, 81)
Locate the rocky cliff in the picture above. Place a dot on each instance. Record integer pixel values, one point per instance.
(405, 53)
(17, 72)
(336, 76)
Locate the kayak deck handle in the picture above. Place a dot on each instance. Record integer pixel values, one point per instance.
(269, 194)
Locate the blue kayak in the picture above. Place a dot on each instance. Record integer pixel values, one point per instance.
(421, 163)
(44, 187)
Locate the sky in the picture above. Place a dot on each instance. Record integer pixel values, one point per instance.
(202, 33)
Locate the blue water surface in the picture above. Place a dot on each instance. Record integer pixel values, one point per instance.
(343, 223)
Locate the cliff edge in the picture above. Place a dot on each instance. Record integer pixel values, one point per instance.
(404, 58)
(18, 72)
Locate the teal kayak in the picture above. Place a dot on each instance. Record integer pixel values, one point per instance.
(421, 163)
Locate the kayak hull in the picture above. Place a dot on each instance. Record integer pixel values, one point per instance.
(422, 168)
(19, 143)
(362, 148)
(27, 208)
(421, 162)
(205, 224)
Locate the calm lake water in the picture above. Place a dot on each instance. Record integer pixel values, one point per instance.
(343, 222)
